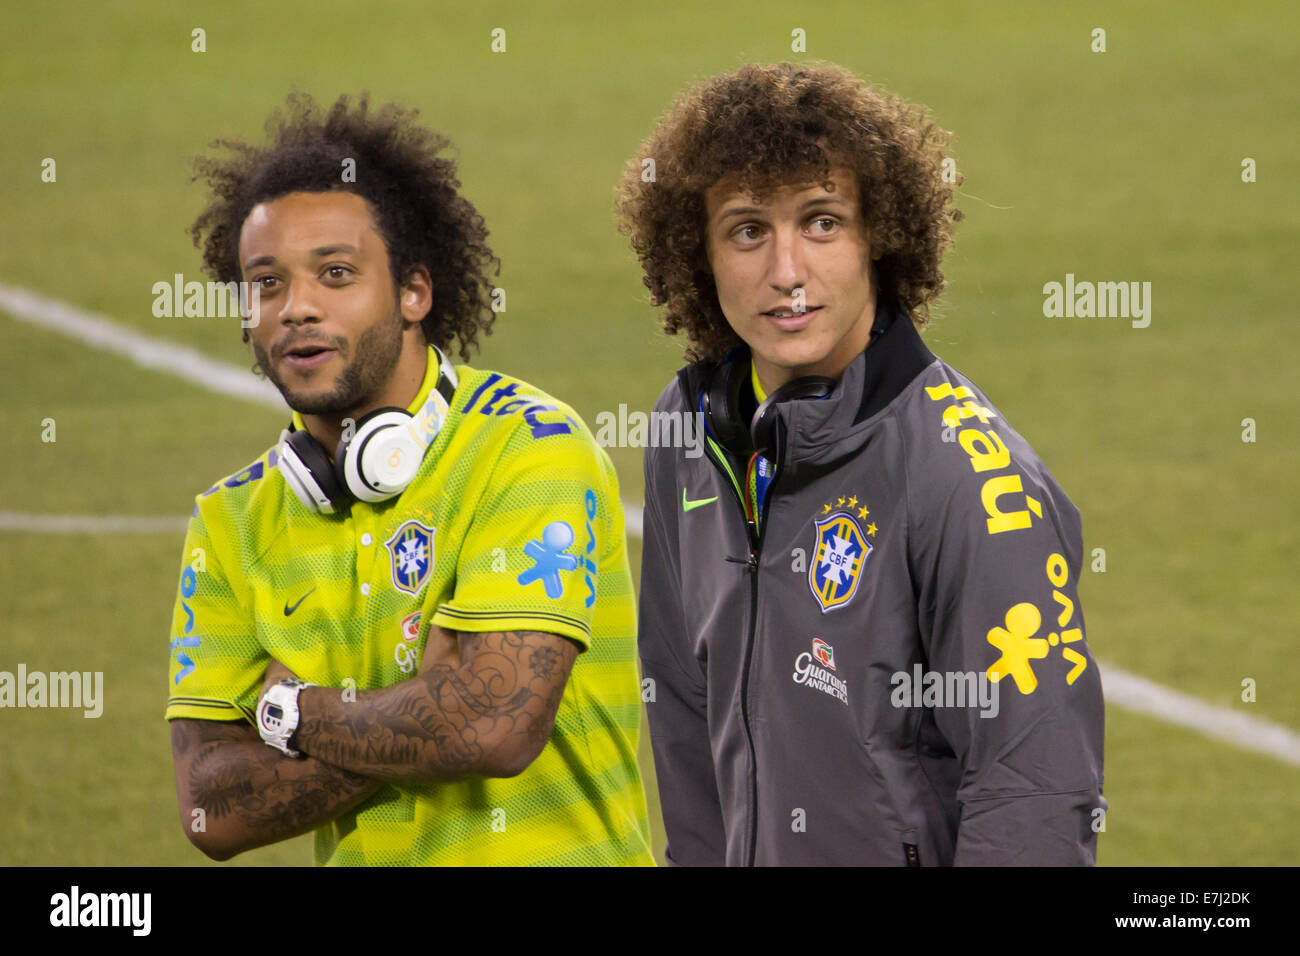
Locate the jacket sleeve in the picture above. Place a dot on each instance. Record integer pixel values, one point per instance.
(677, 699)
(996, 560)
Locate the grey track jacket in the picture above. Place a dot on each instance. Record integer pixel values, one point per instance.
(817, 695)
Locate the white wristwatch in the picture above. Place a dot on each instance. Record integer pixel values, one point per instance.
(277, 715)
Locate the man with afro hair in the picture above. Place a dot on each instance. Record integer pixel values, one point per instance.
(859, 608)
(408, 625)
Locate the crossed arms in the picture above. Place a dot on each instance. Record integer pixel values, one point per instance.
(482, 704)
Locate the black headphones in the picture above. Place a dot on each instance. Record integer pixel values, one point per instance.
(375, 460)
(765, 432)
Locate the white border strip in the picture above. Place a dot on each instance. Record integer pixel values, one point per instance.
(155, 524)
(1121, 688)
(92, 524)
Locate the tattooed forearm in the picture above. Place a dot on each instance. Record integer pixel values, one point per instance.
(490, 716)
(251, 795)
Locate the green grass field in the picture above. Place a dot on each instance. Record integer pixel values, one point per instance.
(1123, 165)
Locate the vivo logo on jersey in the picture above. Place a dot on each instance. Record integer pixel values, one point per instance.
(523, 406)
(189, 584)
(588, 565)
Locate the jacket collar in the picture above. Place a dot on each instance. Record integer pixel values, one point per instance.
(896, 356)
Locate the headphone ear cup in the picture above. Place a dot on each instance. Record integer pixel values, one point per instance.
(308, 472)
(721, 399)
(382, 456)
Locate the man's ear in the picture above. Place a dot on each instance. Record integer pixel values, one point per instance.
(415, 294)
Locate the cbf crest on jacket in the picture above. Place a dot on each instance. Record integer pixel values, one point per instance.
(888, 664)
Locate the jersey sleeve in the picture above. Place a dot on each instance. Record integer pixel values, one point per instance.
(217, 664)
(997, 556)
(530, 558)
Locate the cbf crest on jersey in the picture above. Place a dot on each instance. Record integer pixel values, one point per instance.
(410, 552)
(841, 551)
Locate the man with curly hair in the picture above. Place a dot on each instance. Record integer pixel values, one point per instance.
(859, 616)
(408, 625)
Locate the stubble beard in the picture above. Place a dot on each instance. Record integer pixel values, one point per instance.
(378, 351)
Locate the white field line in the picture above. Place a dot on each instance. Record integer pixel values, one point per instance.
(156, 524)
(92, 524)
(1249, 733)
(143, 350)
(1121, 688)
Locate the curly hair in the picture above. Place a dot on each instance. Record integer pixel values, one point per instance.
(410, 189)
(769, 126)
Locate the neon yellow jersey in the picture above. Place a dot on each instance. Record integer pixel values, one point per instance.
(512, 523)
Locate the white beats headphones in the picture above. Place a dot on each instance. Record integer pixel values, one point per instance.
(377, 462)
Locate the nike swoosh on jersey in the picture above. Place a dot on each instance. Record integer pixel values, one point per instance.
(289, 610)
(700, 503)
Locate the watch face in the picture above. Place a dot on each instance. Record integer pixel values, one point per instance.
(271, 717)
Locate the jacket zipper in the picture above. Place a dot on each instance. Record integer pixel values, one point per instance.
(754, 538)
